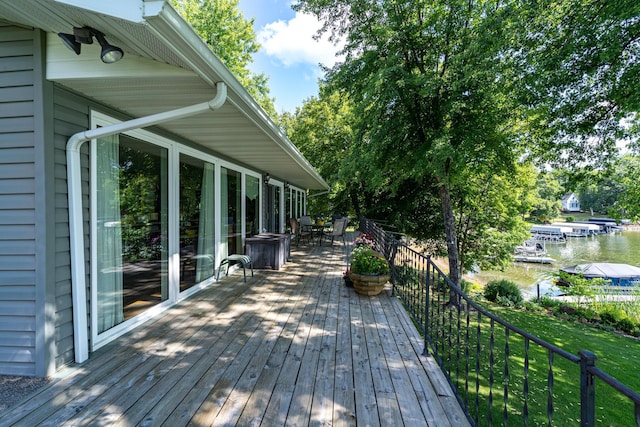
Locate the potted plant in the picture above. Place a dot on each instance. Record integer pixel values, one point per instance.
(369, 270)
(347, 279)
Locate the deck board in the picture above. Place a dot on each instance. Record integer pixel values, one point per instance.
(290, 347)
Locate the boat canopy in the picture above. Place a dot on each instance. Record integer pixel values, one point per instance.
(604, 270)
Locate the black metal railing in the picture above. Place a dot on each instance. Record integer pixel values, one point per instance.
(500, 373)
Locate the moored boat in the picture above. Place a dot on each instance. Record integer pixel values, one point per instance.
(621, 275)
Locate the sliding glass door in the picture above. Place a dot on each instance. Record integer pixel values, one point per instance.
(131, 228)
(163, 216)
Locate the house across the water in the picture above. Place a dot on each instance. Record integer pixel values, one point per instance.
(124, 180)
(570, 203)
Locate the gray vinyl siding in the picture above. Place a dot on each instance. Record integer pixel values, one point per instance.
(71, 115)
(18, 242)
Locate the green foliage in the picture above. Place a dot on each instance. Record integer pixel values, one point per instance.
(365, 260)
(429, 103)
(576, 87)
(628, 203)
(323, 132)
(223, 27)
(489, 224)
(503, 291)
(569, 218)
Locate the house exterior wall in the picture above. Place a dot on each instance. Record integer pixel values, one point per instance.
(26, 300)
(71, 115)
(571, 203)
(36, 120)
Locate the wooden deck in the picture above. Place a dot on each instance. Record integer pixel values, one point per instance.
(291, 347)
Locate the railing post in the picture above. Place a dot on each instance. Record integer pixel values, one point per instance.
(587, 389)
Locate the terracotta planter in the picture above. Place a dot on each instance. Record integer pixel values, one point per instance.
(368, 284)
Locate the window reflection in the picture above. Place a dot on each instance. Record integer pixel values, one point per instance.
(197, 238)
(231, 239)
(131, 228)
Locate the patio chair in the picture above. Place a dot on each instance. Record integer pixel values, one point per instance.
(298, 231)
(245, 260)
(306, 223)
(339, 230)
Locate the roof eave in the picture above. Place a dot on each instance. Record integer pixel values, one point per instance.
(169, 26)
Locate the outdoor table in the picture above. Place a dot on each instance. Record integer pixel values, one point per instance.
(268, 250)
(319, 230)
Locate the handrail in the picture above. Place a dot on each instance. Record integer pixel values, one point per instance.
(512, 374)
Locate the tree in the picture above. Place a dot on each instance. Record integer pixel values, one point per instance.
(546, 198)
(424, 77)
(628, 178)
(223, 27)
(577, 63)
(322, 129)
(488, 220)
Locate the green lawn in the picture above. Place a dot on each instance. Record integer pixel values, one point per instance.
(617, 355)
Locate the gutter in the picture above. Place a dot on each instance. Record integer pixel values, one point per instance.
(74, 189)
(169, 27)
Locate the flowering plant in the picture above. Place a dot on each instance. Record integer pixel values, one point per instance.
(364, 240)
(365, 260)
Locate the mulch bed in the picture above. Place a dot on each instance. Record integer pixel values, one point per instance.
(14, 388)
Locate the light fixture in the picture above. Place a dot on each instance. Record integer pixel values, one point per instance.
(70, 41)
(85, 35)
(267, 178)
(109, 54)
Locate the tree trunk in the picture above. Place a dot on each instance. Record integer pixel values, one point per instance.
(452, 239)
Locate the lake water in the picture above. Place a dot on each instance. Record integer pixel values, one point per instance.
(623, 248)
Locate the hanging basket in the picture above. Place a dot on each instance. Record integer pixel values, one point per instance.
(369, 284)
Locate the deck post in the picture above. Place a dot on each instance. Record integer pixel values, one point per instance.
(587, 389)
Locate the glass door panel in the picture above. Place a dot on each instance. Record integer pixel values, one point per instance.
(197, 235)
(132, 228)
(252, 197)
(231, 212)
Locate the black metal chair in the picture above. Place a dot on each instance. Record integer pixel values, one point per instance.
(245, 260)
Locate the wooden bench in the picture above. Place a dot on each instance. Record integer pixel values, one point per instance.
(245, 260)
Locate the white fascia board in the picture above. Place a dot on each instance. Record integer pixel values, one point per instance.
(169, 26)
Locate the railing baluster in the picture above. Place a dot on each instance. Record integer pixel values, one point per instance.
(425, 290)
(525, 387)
(505, 415)
(458, 346)
(550, 389)
(466, 357)
(478, 354)
(491, 360)
(425, 272)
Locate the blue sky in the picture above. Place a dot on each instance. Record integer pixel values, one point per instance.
(289, 56)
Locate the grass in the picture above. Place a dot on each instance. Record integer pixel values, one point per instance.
(458, 346)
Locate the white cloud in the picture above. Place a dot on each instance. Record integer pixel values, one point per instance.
(292, 42)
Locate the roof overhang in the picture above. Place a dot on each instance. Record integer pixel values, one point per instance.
(166, 66)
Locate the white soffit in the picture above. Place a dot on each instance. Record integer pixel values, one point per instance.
(166, 66)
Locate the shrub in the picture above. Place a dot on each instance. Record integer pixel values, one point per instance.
(569, 218)
(626, 325)
(533, 306)
(465, 286)
(503, 288)
(612, 315)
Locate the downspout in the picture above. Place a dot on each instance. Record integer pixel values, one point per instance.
(74, 189)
